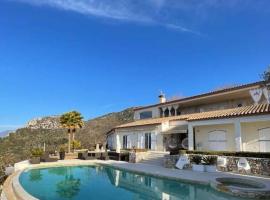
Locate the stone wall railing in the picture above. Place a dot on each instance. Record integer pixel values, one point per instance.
(259, 166)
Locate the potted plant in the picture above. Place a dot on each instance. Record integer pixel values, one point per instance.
(210, 163)
(182, 152)
(197, 163)
(36, 154)
(62, 153)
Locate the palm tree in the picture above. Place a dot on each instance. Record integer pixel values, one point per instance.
(71, 121)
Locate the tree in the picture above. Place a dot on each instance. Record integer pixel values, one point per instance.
(266, 74)
(71, 121)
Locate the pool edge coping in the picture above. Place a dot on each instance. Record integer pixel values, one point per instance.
(24, 195)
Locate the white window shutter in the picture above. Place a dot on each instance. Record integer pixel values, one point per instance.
(217, 140)
(264, 135)
(153, 141)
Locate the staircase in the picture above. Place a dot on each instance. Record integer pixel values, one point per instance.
(154, 158)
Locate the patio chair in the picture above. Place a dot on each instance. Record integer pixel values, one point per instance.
(113, 155)
(243, 166)
(46, 158)
(182, 162)
(104, 156)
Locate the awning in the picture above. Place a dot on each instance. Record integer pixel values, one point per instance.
(177, 129)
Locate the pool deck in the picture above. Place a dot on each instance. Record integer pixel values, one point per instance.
(13, 190)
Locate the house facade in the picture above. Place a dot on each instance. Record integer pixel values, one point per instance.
(232, 119)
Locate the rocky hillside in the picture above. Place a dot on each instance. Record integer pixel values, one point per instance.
(17, 146)
(95, 130)
(51, 122)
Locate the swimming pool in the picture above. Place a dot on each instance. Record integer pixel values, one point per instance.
(103, 182)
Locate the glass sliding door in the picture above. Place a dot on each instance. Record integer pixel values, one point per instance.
(125, 142)
(147, 140)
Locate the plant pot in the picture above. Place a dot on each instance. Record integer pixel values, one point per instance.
(62, 155)
(210, 168)
(198, 168)
(35, 160)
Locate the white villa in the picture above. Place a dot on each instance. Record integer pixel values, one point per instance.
(233, 119)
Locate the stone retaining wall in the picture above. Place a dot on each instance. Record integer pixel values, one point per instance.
(259, 166)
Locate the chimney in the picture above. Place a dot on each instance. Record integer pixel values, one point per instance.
(162, 98)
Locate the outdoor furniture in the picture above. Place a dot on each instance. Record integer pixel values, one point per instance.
(243, 166)
(34, 160)
(46, 158)
(182, 162)
(85, 156)
(122, 156)
(97, 155)
(104, 156)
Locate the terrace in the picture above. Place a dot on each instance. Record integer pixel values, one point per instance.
(242, 186)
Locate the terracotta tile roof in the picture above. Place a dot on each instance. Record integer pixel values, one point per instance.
(218, 114)
(206, 94)
(235, 112)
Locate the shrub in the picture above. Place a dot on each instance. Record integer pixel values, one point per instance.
(232, 153)
(37, 152)
(210, 160)
(197, 159)
(76, 144)
(63, 148)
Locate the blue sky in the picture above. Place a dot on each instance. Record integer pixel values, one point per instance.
(99, 56)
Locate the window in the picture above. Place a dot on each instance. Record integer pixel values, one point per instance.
(172, 111)
(125, 142)
(146, 115)
(264, 141)
(166, 112)
(217, 140)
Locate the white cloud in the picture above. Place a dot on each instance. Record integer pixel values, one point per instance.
(146, 11)
(182, 29)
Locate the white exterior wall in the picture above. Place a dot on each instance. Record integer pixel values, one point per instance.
(111, 141)
(242, 134)
(202, 136)
(136, 133)
(154, 110)
(250, 135)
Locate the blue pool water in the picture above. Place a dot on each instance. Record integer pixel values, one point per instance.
(100, 182)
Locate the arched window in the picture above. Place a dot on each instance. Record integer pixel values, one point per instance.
(166, 112)
(172, 111)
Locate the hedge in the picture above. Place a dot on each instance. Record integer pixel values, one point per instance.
(232, 153)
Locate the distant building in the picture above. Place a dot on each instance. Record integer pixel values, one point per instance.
(232, 119)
